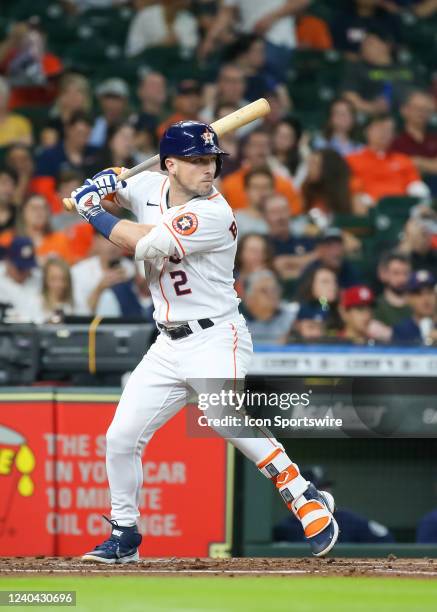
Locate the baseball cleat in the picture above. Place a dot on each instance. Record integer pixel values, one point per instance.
(315, 511)
(120, 547)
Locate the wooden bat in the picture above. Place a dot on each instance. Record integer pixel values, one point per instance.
(231, 122)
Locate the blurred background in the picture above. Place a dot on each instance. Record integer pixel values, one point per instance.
(333, 192)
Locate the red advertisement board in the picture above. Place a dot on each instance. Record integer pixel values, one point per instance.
(185, 499)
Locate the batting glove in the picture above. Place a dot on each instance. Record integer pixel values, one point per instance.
(87, 200)
(106, 182)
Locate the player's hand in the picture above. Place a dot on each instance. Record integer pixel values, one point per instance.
(87, 200)
(106, 181)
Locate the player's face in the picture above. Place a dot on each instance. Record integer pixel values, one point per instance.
(195, 175)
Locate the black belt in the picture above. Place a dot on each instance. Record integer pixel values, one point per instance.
(184, 330)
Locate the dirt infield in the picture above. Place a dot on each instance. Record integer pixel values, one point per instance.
(390, 566)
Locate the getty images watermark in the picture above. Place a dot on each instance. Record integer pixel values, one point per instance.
(231, 409)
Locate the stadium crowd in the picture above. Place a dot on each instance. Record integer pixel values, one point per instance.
(332, 192)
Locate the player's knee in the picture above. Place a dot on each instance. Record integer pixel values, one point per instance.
(120, 441)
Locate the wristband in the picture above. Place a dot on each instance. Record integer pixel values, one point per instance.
(104, 222)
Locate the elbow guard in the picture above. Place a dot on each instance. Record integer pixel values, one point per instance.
(157, 243)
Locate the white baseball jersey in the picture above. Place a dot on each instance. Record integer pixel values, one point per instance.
(197, 281)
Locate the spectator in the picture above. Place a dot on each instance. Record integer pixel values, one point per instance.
(113, 97)
(258, 185)
(13, 127)
(273, 19)
(229, 90)
(19, 159)
(152, 94)
(420, 8)
(253, 254)
(376, 83)
(288, 149)
(91, 276)
(353, 527)
(319, 289)
(73, 152)
(128, 300)
(161, 24)
(391, 307)
(420, 327)
(35, 223)
(20, 281)
(186, 103)
(248, 52)
(327, 186)
(313, 33)
(380, 172)
(74, 97)
(331, 254)
(417, 141)
(269, 321)
(291, 254)
(56, 298)
(417, 241)
(356, 312)
(120, 152)
(339, 132)
(310, 324)
(255, 154)
(229, 143)
(352, 24)
(8, 209)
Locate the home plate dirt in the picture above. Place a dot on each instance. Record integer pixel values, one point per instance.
(390, 566)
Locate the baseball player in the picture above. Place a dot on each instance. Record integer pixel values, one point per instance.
(187, 237)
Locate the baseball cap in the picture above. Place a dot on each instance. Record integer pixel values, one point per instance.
(113, 87)
(331, 234)
(312, 312)
(21, 253)
(360, 295)
(188, 86)
(420, 279)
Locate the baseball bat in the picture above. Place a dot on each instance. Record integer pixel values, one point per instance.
(231, 122)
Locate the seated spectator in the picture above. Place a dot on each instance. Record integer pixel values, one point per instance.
(313, 33)
(417, 140)
(8, 208)
(120, 151)
(331, 253)
(418, 239)
(420, 327)
(72, 152)
(30, 69)
(249, 53)
(128, 300)
(356, 312)
(258, 185)
(391, 306)
(319, 289)
(113, 98)
(255, 154)
(289, 153)
(356, 19)
(19, 159)
(229, 143)
(164, 23)
(253, 254)
(327, 187)
(272, 19)
(56, 298)
(186, 103)
(268, 320)
(339, 132)
(13, 127)
(20, 281)
(310, 324)
(376, 83)
(152, 94)
(35, 223)
(353, 527)
(227, 91)
(291, 253)
(74, 97)
(380, 172)
(106, 269)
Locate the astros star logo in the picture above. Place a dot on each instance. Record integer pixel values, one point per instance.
(185, 224)
(208, 137)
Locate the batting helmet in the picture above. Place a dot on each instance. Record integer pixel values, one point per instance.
(190, 139)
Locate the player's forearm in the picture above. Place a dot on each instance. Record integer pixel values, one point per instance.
(220, 25)
(126, 234)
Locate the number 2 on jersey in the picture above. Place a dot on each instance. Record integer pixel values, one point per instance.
(180, 283)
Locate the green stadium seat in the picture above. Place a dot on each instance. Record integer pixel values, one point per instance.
(361, 227)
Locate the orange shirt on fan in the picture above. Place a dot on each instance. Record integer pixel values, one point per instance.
(313, 33)
(382, 174)
(232, 188)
